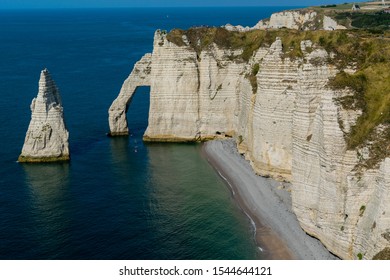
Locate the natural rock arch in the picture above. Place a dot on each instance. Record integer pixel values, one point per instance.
(140, 76)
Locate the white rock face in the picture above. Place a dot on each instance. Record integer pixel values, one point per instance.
(299, 20)
(348, 212)
(270, 114)
(331, 24)
(238, 28)
(289, 128)
(291, 19)
(47, 137)
(203, 83)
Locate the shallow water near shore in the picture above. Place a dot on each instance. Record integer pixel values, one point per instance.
(118, 198)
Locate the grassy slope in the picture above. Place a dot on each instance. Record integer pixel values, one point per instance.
(364, 18)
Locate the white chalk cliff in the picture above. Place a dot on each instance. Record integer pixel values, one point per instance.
(295, 19)
(300, 20)
(47, 137)
(288, 128)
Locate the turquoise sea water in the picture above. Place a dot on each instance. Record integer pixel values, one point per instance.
(118, 198)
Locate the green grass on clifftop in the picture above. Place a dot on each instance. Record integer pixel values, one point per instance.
(374, 21)
(201, 38)
(368, 17)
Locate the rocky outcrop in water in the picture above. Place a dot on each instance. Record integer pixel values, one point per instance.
(47, 137)
(286, 121)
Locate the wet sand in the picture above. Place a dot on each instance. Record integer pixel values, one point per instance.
(267, 203)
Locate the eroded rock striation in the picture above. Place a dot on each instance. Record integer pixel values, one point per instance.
(47, 137)
(287, 121)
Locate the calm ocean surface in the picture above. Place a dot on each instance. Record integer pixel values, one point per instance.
(117, 198)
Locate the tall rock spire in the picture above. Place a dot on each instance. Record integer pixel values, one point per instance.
(47, 137)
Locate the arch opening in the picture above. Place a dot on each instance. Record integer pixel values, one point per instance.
(137, 111)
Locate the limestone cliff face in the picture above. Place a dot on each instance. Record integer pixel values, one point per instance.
(300, 20)
(295, 19)
(204, 87)
(47, 137)
(286, 122)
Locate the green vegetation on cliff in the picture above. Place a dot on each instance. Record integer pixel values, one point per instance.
(201, 38)
(371, 16)
(253, 78)
(370, 85)
(373, 21)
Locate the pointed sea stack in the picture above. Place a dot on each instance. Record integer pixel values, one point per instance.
(47, 137)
